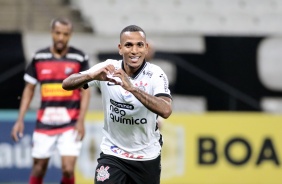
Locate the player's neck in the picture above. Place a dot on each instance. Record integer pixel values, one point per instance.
(58, 54)
(130, 71)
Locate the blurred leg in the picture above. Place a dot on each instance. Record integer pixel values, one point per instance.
(43, 146)
(39, 169)
(68, 166)
(69, 149)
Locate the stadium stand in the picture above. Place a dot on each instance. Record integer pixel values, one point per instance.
(183, 16)
(35, 15)
(107, 17)
(174, 25)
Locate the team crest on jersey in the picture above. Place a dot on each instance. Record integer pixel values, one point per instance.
(141, 85)
(68, 70)
(102, 173)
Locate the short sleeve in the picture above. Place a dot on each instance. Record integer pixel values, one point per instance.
(30, 75)
(85, 63)
(161, 84)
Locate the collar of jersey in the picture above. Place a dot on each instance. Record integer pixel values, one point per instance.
(135, 75)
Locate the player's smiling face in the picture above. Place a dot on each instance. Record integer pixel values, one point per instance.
(133, 47)
(61, 34)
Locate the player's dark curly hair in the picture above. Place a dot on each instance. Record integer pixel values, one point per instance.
(132, 28)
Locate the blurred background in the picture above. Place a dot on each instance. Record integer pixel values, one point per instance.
(223, 61)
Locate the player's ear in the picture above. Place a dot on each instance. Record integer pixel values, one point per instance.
(119, 49)
(147, 48)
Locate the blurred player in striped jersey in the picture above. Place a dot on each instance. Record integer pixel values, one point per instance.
(60, 119)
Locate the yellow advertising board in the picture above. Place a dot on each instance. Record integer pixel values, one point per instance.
(209, 148)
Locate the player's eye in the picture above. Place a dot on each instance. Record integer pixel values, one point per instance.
(128, 45)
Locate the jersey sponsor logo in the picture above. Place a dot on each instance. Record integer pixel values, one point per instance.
(46, 71)
(118, 115)
(54, 90)
(165, 82)
(122, 105)
(119, 151)
(55, 116)
(102, 173)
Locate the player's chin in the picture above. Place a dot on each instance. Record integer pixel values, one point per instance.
(60, 47)
(137, 63)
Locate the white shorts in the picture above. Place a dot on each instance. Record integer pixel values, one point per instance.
(66, 144)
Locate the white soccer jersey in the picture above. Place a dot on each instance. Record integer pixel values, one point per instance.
(130, 129)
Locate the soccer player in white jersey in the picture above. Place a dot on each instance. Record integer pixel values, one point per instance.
(135, 93)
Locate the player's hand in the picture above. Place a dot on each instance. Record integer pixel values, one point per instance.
(17, 131)
(125, 81)
(103, 73)
(80, 130)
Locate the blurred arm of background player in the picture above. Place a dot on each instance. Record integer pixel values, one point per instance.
(27, 96)
(84, 103)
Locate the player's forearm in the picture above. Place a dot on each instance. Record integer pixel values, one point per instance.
(84, 103)
(75, 81)
(155, 104)
(25, 102)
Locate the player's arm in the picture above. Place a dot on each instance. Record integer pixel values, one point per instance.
(78, 80)
(159, 105)
(75, 81)
(27, 95)
(84, 103)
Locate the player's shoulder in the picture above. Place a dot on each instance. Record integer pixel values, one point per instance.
(43, 50)
(154, 67)
(76, 54)
(43, 53)
(75, 50)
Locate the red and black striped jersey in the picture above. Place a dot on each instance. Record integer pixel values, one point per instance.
(59, 109)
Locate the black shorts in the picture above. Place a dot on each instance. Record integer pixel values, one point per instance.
(114, 170)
